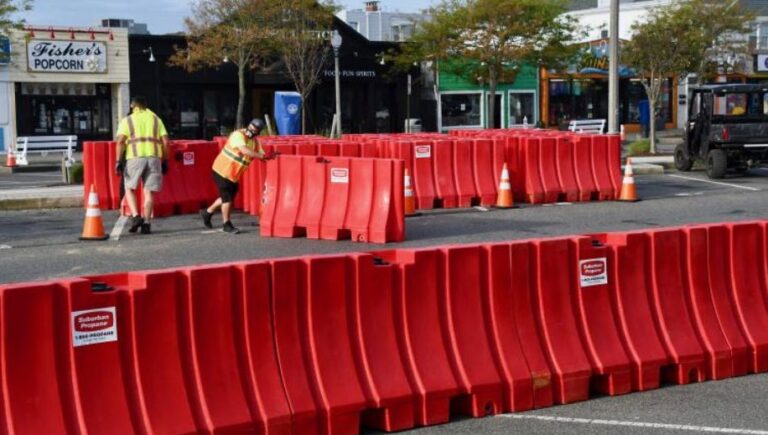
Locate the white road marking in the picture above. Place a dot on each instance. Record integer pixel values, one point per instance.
(563, 203)
(117, 230)
(477, 207)
(5, 246)
(719, 183)
(680, 427)
(210, 231)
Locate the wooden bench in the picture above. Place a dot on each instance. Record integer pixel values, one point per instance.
(44, 145)
(589, 126)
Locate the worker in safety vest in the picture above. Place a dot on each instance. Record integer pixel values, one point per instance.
(241, 149)
(144, 158)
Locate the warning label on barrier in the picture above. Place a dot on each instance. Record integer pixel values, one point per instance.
(339, 175)
(94, 326)
(423, 151)
(189, 158)
(593, 272)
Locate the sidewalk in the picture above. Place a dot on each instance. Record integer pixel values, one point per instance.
(45, 197)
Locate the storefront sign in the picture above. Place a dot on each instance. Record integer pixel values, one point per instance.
(762, 63)
(345, 73)
(5, 50)
(67, 56)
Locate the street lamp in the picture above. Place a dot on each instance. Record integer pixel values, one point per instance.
(613, 69)
(336, 44)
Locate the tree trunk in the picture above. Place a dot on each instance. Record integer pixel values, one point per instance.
(492, 83)
(652, 88)
(303, 116)
(240, 95)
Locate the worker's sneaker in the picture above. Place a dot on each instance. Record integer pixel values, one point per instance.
(145, 228)
(229, 228)
(206, 218)
(136, 222)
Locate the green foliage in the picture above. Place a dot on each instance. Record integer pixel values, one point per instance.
(715, 28)
(236, 31)
(640, 147)
(660, 49)
(302, 39)
(9, 8)
(488, 41)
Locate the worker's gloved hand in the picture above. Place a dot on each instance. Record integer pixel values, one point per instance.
(120, 167)
(164, 167)
(269, 155)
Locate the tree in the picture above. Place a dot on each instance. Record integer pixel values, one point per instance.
(237, 31)
(660, 49)
(303, 43)
(716, 27)
(488, 41)
(9, 8)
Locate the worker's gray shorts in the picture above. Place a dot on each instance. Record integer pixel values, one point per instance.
(147, 169)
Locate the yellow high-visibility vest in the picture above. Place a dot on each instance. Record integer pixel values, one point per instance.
(144, 131)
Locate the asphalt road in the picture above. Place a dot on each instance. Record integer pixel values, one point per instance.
(43, 244)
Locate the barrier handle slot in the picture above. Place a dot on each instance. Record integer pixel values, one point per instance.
(101, 287)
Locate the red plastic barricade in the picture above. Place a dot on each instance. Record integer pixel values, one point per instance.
(463, 172)
(668, 294)
(387, 340)
(445, 180)
(485, 174)
(333, 198)
(522, 356)
(747, 249)
(529, 157)
(599, 326)
(565, 169)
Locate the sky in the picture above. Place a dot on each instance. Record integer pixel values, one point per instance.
(161, 16)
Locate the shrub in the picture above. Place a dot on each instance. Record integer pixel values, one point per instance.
(640, 147)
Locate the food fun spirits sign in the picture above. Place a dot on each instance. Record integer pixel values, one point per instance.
(66, 56)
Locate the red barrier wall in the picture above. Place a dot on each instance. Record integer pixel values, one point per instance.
(334, 198)
(389, 340)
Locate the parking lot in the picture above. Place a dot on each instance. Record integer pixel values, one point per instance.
(42, 244)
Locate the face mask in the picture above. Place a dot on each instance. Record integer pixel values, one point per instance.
(250, 133)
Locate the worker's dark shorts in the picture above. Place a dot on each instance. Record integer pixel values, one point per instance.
(227, 189)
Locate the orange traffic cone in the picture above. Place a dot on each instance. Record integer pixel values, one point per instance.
(10, 159)
(410, 200)
(504, 197)
(93, 228)
(628, 189)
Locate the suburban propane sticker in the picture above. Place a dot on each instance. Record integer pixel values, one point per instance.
(189, 158)
(423, 151)
(339, 175)
(94, 326)
(593, 272)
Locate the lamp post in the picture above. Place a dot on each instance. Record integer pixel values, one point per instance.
(613, 69)
(336, 44)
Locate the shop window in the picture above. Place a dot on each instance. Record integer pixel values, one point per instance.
(522, 107)
(460, 110)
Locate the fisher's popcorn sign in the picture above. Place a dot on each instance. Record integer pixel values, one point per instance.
(66, 56)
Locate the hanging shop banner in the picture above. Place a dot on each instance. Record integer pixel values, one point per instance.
(66, 56)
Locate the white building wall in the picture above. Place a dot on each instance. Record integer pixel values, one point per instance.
(598, 19)
(378, 25)
(117, 73)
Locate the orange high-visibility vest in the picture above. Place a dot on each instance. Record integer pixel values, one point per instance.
(231, 163)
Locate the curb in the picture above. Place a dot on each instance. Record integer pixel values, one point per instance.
(645, 169)
(40, 203)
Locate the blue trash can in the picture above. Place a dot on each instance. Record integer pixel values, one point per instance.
(645, 116)
(288, 113)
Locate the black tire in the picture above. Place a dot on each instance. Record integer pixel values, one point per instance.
(683, 161)
(717, 164)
